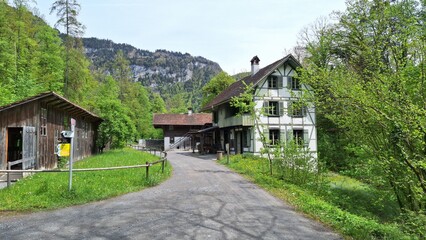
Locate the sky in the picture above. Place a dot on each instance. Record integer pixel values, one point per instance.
(229, 32)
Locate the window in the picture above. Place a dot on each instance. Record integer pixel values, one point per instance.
(246, 137)
(293, 83)
(172, 140)
(301, 137)
(298, 136)
(85, 127)
(272, 82)
(297, 110)
(273, 108)
(274, 136)
(43, 122)
(215, 117)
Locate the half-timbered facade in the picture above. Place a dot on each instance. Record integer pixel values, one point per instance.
(31, 129)
(281, 117)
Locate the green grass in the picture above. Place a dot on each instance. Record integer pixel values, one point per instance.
(50, 190)
(354, 209)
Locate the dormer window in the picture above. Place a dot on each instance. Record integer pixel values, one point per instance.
(273, 82)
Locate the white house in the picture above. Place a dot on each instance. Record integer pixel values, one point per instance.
(276, 92)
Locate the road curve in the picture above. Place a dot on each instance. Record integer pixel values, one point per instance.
(202, 200)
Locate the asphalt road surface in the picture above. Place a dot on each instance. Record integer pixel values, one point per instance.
(202, 200)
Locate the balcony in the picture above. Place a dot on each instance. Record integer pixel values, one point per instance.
(244, 120)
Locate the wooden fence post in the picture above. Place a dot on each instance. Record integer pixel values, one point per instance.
(147, 170)
(8, 174)
(162, 165)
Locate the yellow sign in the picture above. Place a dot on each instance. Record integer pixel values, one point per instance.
(64, 149)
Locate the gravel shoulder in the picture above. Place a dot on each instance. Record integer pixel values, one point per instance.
(202, 200)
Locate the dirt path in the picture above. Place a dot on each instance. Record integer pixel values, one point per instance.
(202, 200)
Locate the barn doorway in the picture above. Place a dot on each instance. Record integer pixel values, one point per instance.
(14, 145)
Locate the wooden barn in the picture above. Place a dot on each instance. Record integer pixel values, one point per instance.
(31, 129)
(182, 131)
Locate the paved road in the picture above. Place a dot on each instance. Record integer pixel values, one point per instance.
(202, 200)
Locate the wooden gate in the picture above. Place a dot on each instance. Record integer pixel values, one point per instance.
(29, 147)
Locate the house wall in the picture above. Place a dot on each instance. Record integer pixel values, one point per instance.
(284, 123)
(177, 132)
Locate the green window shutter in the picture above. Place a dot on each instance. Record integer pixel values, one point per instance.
(306, 137)
(289, 82)
(266, 134)
(266, 108)
(280, 82)
(281, 108)
(289, 109)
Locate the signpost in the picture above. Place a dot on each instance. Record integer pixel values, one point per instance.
(70, 135)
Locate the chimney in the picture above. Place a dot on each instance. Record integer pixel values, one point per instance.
(254, 65)
(189, 111)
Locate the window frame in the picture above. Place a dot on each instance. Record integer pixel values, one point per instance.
(273, 82)
(43, 122)
(293, 83)
(273, 111)
(274, 137)
(298, 112)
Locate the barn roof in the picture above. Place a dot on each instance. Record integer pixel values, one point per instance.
(195, 119)
(238, 87)
(56, 101)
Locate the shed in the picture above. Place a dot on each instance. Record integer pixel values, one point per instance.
(31, 129)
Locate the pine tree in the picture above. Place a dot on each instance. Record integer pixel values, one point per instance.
(67, 12)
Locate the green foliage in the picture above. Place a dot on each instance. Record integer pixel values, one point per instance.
(295, 164)
(158, 104)
(325, 201)
(215, 86)
(413, 223)
(368, 75)
(67, 12)
(62, 162)
(30, 54)
(117, 127)
(50, 190)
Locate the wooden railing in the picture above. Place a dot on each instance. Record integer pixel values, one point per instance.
(163, 162)
(153, 151)
(10, 164)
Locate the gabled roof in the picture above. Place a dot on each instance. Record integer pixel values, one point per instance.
(56, 101)
(238, 87)
(195, 119)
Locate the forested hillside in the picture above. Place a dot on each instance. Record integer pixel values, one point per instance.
(177, 77)
(34, 58)
(31, 55)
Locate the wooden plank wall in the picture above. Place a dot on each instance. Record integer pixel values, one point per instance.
(19, 116)
(83, 146)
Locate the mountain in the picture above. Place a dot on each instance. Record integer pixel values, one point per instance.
(166, 72)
